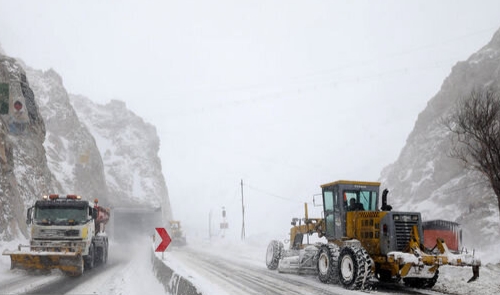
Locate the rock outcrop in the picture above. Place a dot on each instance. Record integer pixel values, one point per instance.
(425, 178)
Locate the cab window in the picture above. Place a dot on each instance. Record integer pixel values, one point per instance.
(360, 200)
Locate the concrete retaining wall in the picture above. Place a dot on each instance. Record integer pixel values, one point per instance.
(174, 283)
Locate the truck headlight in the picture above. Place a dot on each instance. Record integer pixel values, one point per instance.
(84, 233)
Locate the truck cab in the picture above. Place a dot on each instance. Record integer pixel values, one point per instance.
(66, 233)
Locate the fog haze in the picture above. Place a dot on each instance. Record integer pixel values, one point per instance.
(284, 95)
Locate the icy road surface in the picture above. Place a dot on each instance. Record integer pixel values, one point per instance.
(128, 271)
(232, 268)
(217, 268)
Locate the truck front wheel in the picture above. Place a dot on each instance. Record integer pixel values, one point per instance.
(90, 258)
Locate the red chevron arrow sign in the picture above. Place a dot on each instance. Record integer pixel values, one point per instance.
(165, 239)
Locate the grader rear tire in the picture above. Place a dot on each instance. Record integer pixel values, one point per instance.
(273, 254)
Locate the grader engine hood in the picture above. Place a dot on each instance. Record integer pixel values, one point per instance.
(396, 228)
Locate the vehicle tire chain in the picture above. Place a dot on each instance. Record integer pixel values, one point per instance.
(364, 273)
(277, 247)
(333, 275)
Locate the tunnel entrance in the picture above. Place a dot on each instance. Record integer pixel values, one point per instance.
(132, 224)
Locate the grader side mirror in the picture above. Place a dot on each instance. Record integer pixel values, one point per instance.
(315, 202)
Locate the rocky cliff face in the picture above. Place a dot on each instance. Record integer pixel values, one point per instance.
(72, 154)
(25, 174)
(52, 142)
(129, 149)
(424, 178)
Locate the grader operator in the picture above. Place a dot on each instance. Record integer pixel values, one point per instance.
(363, 243)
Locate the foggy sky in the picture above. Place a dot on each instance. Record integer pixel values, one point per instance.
(286, 95)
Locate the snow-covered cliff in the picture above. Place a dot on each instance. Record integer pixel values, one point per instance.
(72, 154)
(25, 174)
(129, 149)
(425, 178)
(54, 142)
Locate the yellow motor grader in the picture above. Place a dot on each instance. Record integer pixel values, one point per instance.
(364, 243)
(177, 234)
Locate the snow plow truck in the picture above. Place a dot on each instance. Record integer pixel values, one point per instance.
(67, 233)
(363, 243)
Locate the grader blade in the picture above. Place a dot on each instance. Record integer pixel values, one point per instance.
(475, 273)
(69, 263)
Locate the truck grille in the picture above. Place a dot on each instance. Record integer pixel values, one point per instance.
(49, 234)
(403, 233)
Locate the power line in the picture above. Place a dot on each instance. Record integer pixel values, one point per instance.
(272, 194)
(465, 187)
(340, 68)
(312, 85)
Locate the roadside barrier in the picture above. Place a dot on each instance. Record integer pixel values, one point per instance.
(174, 283)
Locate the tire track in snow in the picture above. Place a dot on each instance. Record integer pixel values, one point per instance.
(65, 284)
(25, 282)
(247, 279)
(241, 278)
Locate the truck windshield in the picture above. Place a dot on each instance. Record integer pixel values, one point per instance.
(60, 215)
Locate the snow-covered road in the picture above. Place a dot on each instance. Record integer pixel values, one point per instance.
(216, 268)
(224, 267)
(128, 271)
(240, 278)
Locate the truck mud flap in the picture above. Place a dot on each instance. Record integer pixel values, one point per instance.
(69, 263)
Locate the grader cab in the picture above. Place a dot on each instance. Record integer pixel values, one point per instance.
(364, 243)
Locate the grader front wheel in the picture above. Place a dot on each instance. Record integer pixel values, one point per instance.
(273, 254)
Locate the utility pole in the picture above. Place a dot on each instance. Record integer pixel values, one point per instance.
(210, 225)
(243, 213)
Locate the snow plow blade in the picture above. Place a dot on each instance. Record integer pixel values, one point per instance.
(475, 273)
(70, 263)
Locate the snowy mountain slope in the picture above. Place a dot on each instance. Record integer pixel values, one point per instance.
(25, 173)
(72, 154)
(129, 149)
(47, 146)
(424, 178)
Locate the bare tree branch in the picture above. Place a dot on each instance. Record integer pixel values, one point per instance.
(475, 129)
